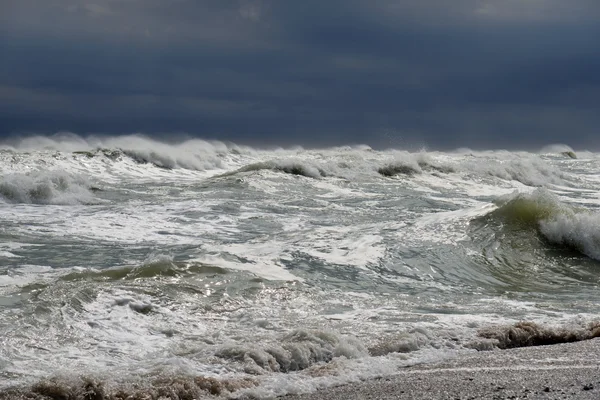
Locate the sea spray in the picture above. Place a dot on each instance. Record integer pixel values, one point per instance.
(46, 187)
(558, 223)
(212, 268)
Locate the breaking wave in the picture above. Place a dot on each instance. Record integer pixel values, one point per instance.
(177, 387)
(347, 163)
(558, 148)
(399, 169)
(410, 164)
(578, 231)
(292, 167)
(196, 162)
(524, 334)
(557, 223)
(530, 171)
(193, 154)
(404, 342)
(297, 351)
(403, 164)
(527, 210)
(46, 187)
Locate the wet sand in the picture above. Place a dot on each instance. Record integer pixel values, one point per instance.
(561, 371)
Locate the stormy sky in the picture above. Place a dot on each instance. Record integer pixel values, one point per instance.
(432, 73)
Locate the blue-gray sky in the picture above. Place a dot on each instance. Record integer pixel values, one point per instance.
(435, 73)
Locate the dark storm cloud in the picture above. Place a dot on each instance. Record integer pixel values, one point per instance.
(388, 73)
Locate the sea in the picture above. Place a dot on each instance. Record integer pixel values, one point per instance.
(137, 268)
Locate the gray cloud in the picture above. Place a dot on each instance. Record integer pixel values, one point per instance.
(147, 22)
(437, 73)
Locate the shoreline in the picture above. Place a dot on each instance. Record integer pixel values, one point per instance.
(559, 371)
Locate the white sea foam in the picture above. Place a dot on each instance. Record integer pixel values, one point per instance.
(559, 222)
(344, 247)
(259, 259)
(292, 269)
(41, 187)
(527, 169)
(556, 148)
(191, 154)
(577, 230)
(15, 277)
(127, 154)
(444, 227)
(289, 166)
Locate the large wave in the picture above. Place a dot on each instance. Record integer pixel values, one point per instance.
(351, 163)
(46, 187)
(558, 223)
(194, 154)
(414, 164)
(579, 231)
(527, 169)
(289, 166)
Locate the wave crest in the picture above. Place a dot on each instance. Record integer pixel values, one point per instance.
(46, 187)
(527, 210)
(410, 164)
(193, 154)
(578, 231)
(530, 171)
(292, 167)
(557, 223)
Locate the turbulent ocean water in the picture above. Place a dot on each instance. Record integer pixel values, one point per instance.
(133, 267)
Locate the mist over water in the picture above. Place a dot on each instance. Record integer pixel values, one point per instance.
(133, 266)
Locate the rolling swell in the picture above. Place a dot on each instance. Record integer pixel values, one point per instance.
(163, 267)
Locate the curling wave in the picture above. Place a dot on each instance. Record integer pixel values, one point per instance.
(558, 223)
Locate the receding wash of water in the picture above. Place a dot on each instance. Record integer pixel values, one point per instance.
(132, 267)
